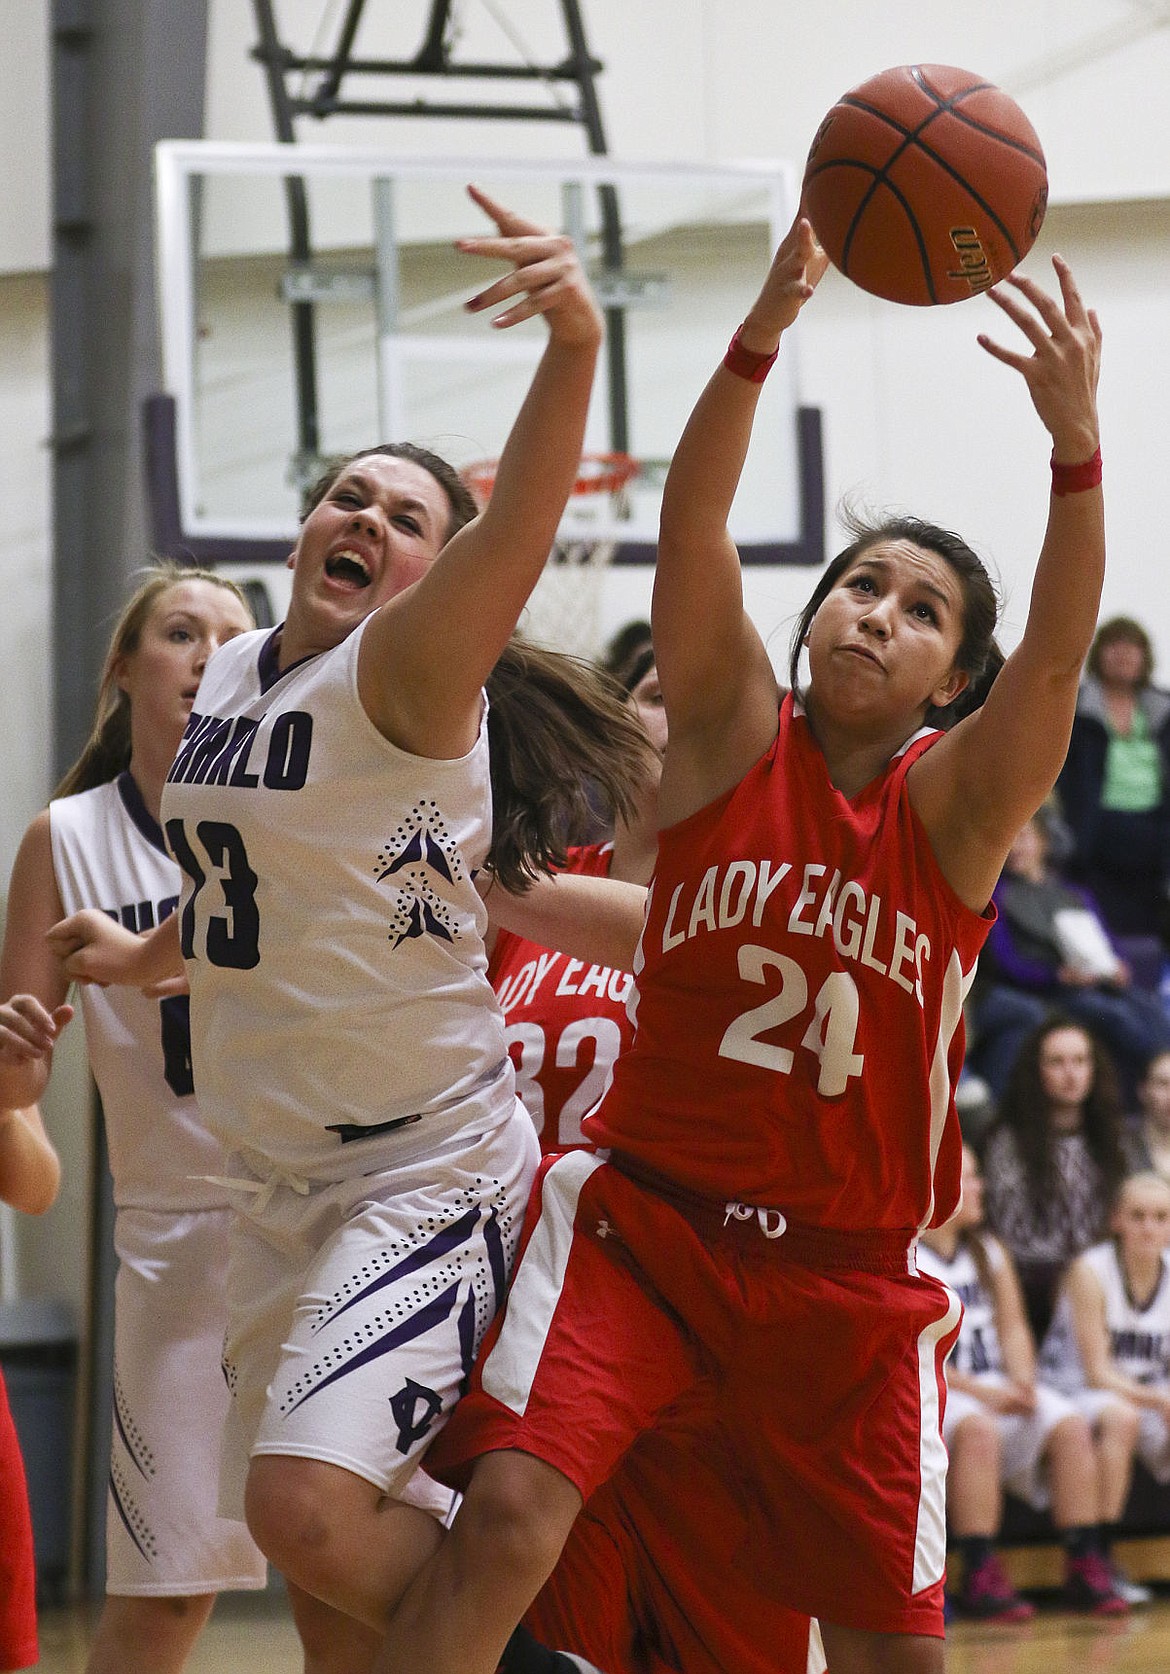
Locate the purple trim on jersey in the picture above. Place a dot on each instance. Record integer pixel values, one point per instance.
(444, 1241)
(497, 1259)
(139, 813)
(126, 1442)
(268, 661)
(1140, 1307)
(122, 1513)
(467, 1338)
(416, 1326)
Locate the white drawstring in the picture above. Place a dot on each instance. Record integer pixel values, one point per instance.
(263, 1190)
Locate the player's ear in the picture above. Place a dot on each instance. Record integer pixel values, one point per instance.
(948, 690)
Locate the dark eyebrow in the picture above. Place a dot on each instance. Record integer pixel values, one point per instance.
(927, 586)
(369, 487)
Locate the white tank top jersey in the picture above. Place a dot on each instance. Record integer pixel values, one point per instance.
(977, 1349)
(330, 925)
(108, 852)
(1139, 1338)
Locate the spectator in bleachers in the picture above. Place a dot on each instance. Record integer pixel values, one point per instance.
(1054, 1158)
(1005, 1429)
(1114, 787)
(1051, 949)
(1109, 1344)
(1148, 1138)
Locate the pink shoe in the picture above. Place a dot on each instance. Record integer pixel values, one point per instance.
(1090, 1586)
(988, 1595)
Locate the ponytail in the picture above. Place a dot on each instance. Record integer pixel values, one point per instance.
(107, 750)
(563, 745)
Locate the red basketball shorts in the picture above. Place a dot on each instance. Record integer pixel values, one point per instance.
(652, 1578)
(815, 1360)
(18, 1614)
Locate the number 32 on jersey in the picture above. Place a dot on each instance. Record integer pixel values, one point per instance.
(596, 1041)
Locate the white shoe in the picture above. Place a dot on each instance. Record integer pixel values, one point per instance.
(1131, 1591)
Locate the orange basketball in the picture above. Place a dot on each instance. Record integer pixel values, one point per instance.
(926, 184)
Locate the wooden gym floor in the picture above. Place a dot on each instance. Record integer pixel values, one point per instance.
(253, 1635)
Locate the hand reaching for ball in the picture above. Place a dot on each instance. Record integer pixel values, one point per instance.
(1062, 371)
(797, 269)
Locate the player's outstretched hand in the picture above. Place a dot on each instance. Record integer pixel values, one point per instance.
(547, 276)
(92, 947)
(1062, 371)
(28, 1029)
(797, 269)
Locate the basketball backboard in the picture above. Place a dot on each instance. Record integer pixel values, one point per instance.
(395, 356)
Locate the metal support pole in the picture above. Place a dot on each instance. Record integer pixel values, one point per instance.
(612, 250)
(304, 329)
(387, 306)
(431, 59)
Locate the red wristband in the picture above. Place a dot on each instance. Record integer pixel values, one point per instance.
(1074, 479)
(745, 363)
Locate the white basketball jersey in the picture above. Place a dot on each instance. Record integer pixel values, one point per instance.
(977, 1349)
(332, 932)
(108, 852)
(1139, 1338)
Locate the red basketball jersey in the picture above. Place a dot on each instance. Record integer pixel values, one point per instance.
(800, 985)
(565, 1022)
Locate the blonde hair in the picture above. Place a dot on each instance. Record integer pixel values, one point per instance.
(1144, 1177)
(107, 750)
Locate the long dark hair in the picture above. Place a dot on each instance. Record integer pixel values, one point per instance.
(107, 750)
(564, 746)
(978, 655)
(1024, 1110)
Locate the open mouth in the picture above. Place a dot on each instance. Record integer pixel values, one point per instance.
(348, 568)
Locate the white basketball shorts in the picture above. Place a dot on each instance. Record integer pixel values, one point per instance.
(164, 1535)
(357, 1307)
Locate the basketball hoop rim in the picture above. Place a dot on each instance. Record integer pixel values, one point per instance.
(599, 473)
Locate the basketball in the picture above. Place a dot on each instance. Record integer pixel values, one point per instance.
(925, 184)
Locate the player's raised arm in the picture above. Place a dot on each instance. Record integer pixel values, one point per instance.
(593, 918)
(979, 785)
(717, 680)
(429, 652)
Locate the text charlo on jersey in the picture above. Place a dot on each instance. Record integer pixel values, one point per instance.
(859, 922)
(219, 750)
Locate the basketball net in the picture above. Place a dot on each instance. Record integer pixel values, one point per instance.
(564, 610)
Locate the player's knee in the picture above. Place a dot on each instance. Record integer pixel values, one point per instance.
(1072, 1439)
(290, 1518)
(1120, 1424)
(509, 1513)
(976, 1440)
